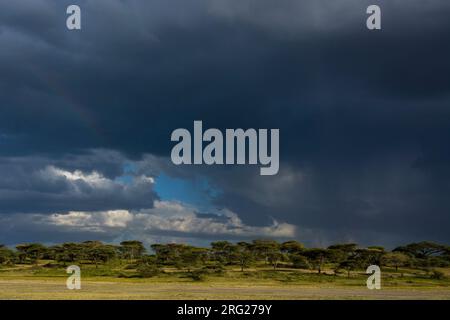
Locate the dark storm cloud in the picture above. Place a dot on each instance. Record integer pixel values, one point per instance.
(39, 185)
(364, 116)
(19, 228)
(142, 77)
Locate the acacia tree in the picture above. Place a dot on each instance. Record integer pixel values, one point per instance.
(446, 254)
(97, 252)
(265, 248)
(161, 253)
(168, 253)
(132, 249)
(222, 251)
(31, 251)
(317, 257)
(349, 265)
(339, 253)
(292, 247)
(371, 255)
(275, 257)
(190, 257)
(67, 252)
(395, 259)
(242, 254)
(299, 261)
(6, 255)
(422, 250)
(349, 257)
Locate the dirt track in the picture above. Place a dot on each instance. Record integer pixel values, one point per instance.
(54, 289)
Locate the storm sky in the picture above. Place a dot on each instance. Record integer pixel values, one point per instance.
(86, 118)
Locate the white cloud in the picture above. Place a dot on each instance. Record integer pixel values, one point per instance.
(72, 184)
(93, 179)
(98, 220)
(169, 217)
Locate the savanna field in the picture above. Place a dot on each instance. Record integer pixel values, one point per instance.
(261, 269)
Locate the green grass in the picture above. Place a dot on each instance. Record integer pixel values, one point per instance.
(117, 281)
(390, 278)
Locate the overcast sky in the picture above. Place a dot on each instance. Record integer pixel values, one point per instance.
(86, 118)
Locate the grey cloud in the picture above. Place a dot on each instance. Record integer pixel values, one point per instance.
(364, 117)
(40, 185)
(165, 220)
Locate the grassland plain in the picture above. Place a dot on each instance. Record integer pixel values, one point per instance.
(37, 282)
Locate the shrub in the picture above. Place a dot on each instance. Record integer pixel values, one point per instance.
(438, 275)
(129, 276)
(146, 271)
(213, 269)
(197, 275)
(51, 265)
(300, 262)
(438, 262)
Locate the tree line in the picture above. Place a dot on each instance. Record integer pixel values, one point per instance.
(242, 255)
